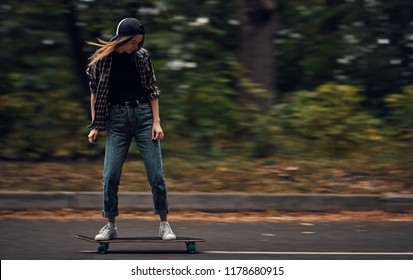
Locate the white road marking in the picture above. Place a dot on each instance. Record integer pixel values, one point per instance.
(311, 253)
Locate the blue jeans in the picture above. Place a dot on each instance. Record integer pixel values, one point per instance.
(125, 123)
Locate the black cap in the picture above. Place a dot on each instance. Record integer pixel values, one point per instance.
(128, 27)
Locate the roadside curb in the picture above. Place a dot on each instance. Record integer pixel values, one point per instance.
(211, 202)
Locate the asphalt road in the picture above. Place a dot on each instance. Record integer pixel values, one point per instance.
(293, 240)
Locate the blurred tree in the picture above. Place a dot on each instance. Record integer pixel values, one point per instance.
(75, 46)
(258, 22)
(218, 69)
(361, 43)
(40, 107)
(193, 48)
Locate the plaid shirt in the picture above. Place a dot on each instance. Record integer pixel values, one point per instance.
(99, 74)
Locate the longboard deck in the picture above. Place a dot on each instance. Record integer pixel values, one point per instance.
(104, 244)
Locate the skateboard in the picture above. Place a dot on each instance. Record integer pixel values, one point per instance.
(190, 242)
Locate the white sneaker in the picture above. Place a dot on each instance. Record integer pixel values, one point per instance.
(109, 231)
(165, 231)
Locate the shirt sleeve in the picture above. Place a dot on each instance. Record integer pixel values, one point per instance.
(92, 74)
(151, 89)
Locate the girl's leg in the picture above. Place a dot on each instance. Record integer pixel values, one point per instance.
(117, 146)
(118, 141)
(150, 151)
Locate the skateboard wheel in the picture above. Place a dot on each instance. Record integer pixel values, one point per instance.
(103, 248)
(190, 248)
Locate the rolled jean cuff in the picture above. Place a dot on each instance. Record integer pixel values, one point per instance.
(109, 214)
(161, 212)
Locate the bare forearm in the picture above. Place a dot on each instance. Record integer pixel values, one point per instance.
(92, 106)
(155, 110)
(157, 133)
(93, 134)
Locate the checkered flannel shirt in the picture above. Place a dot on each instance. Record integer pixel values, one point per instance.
(99, 74)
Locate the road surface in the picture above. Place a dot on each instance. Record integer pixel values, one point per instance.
(45, 239)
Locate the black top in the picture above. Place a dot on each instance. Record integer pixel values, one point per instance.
(124, 83)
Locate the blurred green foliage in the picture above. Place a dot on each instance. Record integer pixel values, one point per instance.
(400, 120)
(337, 63)
(331, 116)
(41, 114)
(399, 128)
(362, 43)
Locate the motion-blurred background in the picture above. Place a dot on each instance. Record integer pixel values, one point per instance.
(256, 95)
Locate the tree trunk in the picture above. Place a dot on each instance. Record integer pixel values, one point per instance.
(78, 58)
(256, 50)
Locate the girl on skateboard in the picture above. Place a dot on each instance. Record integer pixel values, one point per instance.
(125, 101)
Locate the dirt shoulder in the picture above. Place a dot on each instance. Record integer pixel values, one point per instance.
(236, 217)
(232, 174)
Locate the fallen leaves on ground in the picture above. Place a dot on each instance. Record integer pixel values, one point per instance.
(226, 217)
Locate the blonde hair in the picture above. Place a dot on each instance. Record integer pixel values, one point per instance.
(105, 48)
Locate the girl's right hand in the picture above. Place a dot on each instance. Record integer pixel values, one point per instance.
(93, 136)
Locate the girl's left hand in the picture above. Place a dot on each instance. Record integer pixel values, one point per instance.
(157, 133)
